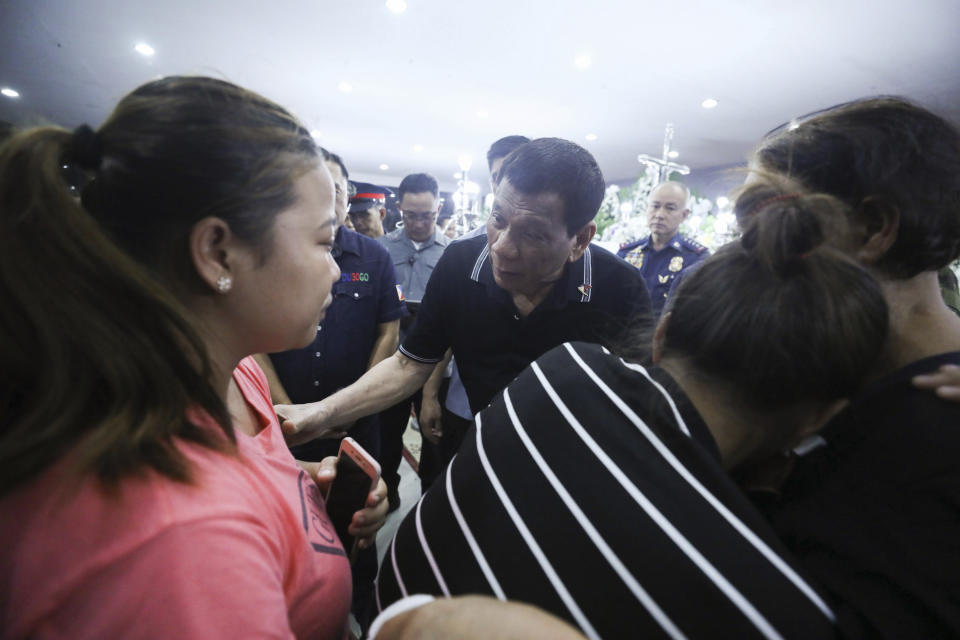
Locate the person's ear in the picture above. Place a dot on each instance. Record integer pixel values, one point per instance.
(383, 214)
(211, 246)
(659, 335)
(881, 223)
(684, 214)
(581, 240)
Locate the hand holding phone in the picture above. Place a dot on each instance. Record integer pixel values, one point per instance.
(357, 475)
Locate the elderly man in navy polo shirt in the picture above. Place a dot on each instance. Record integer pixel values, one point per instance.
(501, 301)
(664, 254)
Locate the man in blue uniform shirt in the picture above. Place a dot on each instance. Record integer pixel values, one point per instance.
(663, 254)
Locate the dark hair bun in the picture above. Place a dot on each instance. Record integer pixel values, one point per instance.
(783, 225)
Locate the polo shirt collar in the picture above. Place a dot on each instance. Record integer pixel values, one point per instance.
(401, 236)
(575, 284)
(674, 242)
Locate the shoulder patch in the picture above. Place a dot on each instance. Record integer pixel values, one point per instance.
(693, 245)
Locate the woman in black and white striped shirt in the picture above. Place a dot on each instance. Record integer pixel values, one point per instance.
(597, 488)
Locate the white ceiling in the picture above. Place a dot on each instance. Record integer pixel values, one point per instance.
(421, 77)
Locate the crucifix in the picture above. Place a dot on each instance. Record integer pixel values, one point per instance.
(663, 165)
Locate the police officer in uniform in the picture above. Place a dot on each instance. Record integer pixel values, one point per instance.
(368, 208)
(663, 254)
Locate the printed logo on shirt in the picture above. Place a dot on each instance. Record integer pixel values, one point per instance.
(319, 531)
(355, 276)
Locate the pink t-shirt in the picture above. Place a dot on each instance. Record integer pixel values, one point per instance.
(247, 551)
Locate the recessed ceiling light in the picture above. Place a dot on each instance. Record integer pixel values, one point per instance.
(397, 6)
(144, 49)
(673, 154)
(583, 61)
(482, 113)
(709, 103)
(345, 87)
(384, 167)
(418, 147)
(591, 136)
(10, 93)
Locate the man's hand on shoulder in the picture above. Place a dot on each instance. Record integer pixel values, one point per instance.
(945, 382)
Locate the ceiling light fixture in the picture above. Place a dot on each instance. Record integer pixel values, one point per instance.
(583, 61)
(10, 93)
(673, 154)
(144, 49)
(345, 87)
(418, 147)
(709, 103)
(591, 137)
(397, 6)
(384, 167)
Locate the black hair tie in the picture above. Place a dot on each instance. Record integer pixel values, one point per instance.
(85, 148)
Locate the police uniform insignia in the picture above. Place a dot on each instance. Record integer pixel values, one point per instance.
(635, 258)
(663, 279)
(676, 263)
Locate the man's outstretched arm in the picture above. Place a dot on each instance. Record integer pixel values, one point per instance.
(390, 381)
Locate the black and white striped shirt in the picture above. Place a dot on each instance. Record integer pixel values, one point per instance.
(591, 488)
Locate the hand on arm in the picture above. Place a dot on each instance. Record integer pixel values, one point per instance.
(431, 415)
(945, 382)
(392, 380)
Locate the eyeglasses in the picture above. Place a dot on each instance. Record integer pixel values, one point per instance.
(418, 217)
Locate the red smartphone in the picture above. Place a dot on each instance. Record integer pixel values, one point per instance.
(357, 476)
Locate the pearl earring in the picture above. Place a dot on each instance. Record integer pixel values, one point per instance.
(224, 283)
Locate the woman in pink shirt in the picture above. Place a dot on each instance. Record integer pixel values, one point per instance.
(145, 486)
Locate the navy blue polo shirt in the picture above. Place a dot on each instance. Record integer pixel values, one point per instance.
(365, 297)
(660, 268)
(595, 300)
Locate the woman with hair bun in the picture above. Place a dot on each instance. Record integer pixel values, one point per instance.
(145, 486)
(598, 489)
(872, 508)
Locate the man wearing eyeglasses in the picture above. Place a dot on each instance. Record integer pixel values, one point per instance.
(415, 247)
